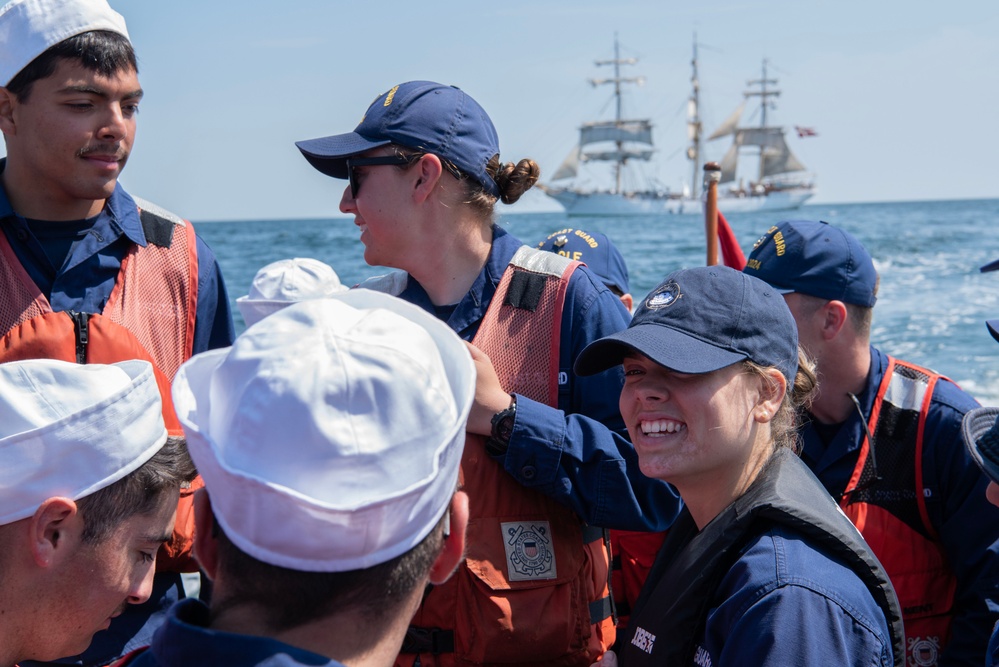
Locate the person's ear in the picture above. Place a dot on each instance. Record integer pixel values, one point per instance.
(205, 534)
(8, 101)
(54, 528)
(628, 301)
(772, 391)
(428, 170)
(834, 316)
(454, 543)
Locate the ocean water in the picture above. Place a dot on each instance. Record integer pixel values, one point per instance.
(932, 303)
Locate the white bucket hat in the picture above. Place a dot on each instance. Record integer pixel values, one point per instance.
(29, 27)
(284, 282)
(329, 435)
(68, 430)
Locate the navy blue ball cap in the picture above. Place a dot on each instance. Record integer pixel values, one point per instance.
(593, 249)
(701, 320)
(993, 326)
(817, 259)
(980, 428)
(421, 115)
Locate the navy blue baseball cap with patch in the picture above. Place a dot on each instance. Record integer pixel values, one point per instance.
(421, 115)
(817, 259)
(701, 320)
(593, 249)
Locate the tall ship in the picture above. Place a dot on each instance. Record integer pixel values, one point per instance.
(626, 146)
(780, 181)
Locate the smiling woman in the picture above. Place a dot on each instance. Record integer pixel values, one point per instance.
(713, 378)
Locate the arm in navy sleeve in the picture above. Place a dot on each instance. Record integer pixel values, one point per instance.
(213, 327)
(967, 523)
(799, 625)
(580, 454)
(785, 602)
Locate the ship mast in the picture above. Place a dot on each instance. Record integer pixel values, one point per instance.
(764, 96)
(617, 61)
(694, 124)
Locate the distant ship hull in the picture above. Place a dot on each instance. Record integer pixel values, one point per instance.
(780, 200)
(606, 204)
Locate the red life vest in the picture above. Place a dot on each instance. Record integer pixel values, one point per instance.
(634, 553)
(891, 512)
(149, 315)
(533, 587)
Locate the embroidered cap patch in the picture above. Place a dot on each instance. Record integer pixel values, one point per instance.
(664, 296)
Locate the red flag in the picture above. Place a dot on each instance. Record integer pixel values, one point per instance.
(805, 131)
(731, 252)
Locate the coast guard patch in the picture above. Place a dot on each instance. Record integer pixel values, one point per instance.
(664, 296)
(923, 651)
(529, 553)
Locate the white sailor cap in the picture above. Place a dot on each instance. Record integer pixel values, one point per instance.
(329, 435)
(68, 430)
(29, 27)
(284, 282)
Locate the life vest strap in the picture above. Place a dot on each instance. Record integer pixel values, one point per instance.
(601, 609)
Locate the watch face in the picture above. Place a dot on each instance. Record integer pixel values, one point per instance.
(504, 427)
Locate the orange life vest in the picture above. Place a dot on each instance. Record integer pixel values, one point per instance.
(886, 502)
(533, 588)
(150, 315)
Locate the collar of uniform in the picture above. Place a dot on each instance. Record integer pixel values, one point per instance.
(186, 639)
(123, 213)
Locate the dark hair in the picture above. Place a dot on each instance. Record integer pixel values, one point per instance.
(101, 51)
(289, 598)
(513, 180)
(136, 493)
(797, 398)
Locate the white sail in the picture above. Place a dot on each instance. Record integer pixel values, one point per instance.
(730, 124)
(638, 131)
(780, 160)
(764, 137)
(774, 151)
(617, 156)
(569, 166)
(729, 164)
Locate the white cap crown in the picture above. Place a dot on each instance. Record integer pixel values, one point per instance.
(28, 28)
(329, 435)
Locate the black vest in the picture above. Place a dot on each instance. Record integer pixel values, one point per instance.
(680, 590)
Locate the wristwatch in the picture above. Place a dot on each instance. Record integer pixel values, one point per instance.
(502, 428)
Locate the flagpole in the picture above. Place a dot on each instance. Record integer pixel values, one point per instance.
(712, 175)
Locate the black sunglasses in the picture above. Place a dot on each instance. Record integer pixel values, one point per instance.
(394, 160)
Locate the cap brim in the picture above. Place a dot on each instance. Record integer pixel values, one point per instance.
(991, 266)
(975, 424)
(993, 326)
(329, 154)
(666, 346)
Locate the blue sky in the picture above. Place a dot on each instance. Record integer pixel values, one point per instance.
(904, 94)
